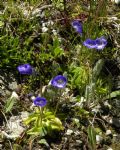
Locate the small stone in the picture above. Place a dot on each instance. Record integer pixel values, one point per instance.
(79, 141)
(96, 109)
(114, 135)
(13, 85)
(65, 139)
(98, 138)
(1, 146)
(110, 121)
(54, 32)
(107, 104)
(108, 132)
(32, 98)
(116, 1)
(14, 95)
(44, 29)
(36, 12)
(77, 133)
(69, 132)
(109, 148)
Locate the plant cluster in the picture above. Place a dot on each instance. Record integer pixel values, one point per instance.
(56, 57)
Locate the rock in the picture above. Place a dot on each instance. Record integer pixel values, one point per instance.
(1, 146)
(107, 104)
(116, 1)
(80, 104)
(69, 132)
(79, 141)
(14, 95)
(98, 139)
(32, 98)
(13, 128)
(8, 83)
(108, 132)
(96, 109)
(44, 29)
(77, 133)
(109, 148)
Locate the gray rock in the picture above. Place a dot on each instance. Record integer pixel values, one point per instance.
(79, 141)
(69, 132)
(8, 83)
(116, 1)
(13, 128)
(98, 139)
(108, 132)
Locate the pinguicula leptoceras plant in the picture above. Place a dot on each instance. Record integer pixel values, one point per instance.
(77, 25)
(59, 82)
(40, 102)
(89, 43)
(98, 43)
(25, 69)
(42, 120)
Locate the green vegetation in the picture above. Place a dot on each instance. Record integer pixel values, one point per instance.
(59, 37)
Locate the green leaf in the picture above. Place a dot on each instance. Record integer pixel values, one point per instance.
(37, 131)
(98, 131)
(56, 43)
(58, 51)
(43, 141)
(1, 23)
(49, 115)
(31, 118)
(92, 137)
(79, 77)
(97, 69)
(114, 94)
(9, 105)
(17, 147)
(56, 124)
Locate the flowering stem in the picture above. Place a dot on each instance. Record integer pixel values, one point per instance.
(41, 115)
(56, 108)
(57, 103)
(39, 119)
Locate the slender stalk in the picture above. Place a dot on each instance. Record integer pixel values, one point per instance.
(57, 103)
(40, 117)
(56, 107)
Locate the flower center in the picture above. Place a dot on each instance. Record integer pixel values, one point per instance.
(60, 81)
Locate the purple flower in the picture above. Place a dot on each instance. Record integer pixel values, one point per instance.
(100, 43)
(90, 43)
(77, 25)
(59, 81)
(40, 101)
(25, 69)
